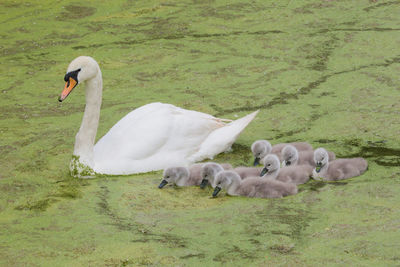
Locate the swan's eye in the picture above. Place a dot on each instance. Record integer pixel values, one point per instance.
(72, 74)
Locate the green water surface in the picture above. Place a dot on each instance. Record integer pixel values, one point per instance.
(326, 72)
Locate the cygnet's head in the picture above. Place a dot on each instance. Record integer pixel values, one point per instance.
(321, 158)
(79, 70)
(290, 155)
(173, 175)
(208, 173)
(223, 180)
(260, 149)
(271, 163)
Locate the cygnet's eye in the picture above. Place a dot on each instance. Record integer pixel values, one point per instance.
(269, 165)
(167, 177)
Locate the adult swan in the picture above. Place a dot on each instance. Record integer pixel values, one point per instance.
(149, 138)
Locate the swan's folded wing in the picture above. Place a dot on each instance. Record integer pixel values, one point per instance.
(222, 139)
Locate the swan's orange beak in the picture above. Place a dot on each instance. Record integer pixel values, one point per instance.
(69, 85)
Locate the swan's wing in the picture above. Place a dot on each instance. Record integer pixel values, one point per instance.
(222, 139)
(151, 137)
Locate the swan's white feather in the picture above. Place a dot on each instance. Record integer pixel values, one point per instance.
(222, 139)
(157, 135)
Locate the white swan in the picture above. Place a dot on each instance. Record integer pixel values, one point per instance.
(152, 137)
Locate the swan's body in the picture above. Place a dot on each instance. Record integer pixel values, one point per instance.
(252, 186)
(149, 138)
(338, 169)
(168, 136)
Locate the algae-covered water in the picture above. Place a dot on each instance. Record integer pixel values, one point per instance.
(322, 71)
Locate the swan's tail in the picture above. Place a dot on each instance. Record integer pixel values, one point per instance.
(222, 138)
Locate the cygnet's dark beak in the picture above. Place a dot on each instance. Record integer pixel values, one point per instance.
(287, 162)
(318, 167)
(204, 183)
(216, 191)
(162, 184)
(263, 172)
(256, 161)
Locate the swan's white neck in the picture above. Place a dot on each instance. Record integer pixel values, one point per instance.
(84, 140)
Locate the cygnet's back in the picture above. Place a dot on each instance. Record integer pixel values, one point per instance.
(338, 169)
(245, 172)
(300, 146)
(299, 174)
(262, 188)
(252, 186)
(226, 166)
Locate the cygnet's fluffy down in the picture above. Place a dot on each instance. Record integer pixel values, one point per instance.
(298, 174)
(300, 146)
(245, 172)
(182, 176)
(209, 170)
(291, 156)
(261, 148)
(252, 186)
(338, 169)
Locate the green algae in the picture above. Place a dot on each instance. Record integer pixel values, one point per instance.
(321, 71)
(80, 170)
